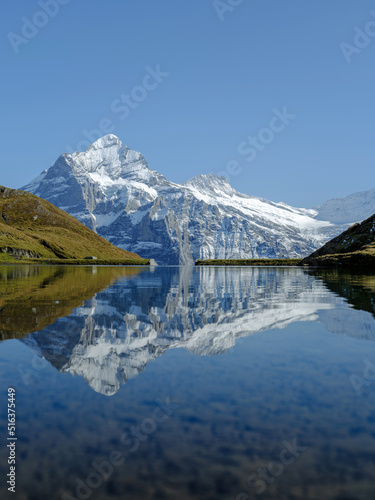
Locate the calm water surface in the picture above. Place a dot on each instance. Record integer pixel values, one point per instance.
(183, 383)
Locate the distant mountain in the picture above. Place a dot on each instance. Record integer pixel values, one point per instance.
(111, 189)
(33, 227)
(354, 247)
(348, 210)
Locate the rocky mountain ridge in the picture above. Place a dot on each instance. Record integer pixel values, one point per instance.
(111, 189)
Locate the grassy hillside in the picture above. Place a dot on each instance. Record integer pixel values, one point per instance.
(355, 247)
(34, 228)
(33, 297)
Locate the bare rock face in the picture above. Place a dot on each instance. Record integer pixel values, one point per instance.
(19, 253)
(111, 189)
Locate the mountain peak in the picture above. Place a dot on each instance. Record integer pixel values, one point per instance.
(112, 190)
(107, 158)
(106, 141)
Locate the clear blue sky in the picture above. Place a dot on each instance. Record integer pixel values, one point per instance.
(226, 76)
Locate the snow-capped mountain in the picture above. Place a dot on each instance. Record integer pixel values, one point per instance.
(111, 189)
(350, 209)
(113, 336)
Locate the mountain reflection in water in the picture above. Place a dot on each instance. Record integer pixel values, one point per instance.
(111, 337)
(251, 359)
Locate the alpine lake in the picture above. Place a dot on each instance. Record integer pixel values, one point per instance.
(206, 383)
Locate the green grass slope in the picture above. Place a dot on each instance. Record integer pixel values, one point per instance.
(355, 247)
(31, 227)
(33, 297)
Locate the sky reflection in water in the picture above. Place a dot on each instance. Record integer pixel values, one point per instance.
(199, 379)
